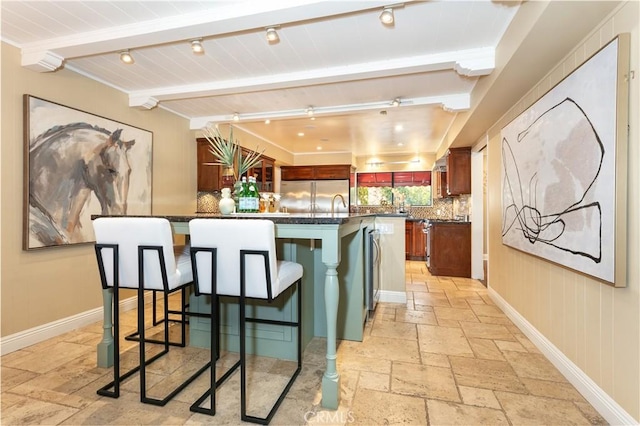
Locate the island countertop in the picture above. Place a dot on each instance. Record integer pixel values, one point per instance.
(278, 218)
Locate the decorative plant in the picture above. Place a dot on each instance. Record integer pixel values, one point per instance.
(228, 150)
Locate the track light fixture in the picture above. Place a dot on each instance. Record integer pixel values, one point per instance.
(197, 47)
(310, 111)
(386, 17)
(125, 57)
(236, 116)
(272, 35)
(395, 102)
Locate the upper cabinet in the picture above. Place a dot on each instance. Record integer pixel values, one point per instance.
(422, 178)
(374, 179)
(394, 179)
(263, 171)
(459, 171)
(208, 172)
(439, 184)
(211, 175)
(324, 172)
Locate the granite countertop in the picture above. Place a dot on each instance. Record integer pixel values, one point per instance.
(298, 218)
(449, 221)
(400, 215)
(281, 218)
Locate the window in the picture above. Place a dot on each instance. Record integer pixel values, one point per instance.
(382, 189)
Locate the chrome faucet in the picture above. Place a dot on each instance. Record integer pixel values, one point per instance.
(333, 200)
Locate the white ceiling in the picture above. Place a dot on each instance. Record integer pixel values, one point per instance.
(335, 56)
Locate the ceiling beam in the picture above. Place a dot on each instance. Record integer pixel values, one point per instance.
(224, 18)
(451, 103)
(475, 62)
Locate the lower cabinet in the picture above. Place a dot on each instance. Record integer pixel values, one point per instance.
(449, 249)
(415, 240)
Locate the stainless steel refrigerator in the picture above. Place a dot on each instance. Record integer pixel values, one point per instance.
(314, 196)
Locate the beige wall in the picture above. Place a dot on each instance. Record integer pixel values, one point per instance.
(42, 286)
(595, 325)
(321, 158)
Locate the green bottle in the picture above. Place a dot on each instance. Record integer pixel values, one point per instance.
(243, 197)
(254, 200)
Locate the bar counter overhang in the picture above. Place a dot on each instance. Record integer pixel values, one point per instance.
(341, 240)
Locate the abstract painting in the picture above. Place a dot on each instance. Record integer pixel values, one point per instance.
(561, 176)
(77, 164)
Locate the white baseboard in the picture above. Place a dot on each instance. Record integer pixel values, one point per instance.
(43, 332)
(393, 296)
(612, 412)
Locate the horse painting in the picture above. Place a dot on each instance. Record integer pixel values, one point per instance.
(67, 164)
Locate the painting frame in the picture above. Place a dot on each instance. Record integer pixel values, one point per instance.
(78, 164)
(564, 169)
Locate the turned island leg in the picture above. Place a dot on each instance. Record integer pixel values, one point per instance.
(105, 347)
(331, 378)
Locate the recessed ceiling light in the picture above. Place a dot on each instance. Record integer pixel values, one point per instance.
(398, 127)
(400, 144)
(319, 148)
(312, 118)
(267, 121)
(300, 134)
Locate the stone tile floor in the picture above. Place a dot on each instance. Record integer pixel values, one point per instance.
(449, 356)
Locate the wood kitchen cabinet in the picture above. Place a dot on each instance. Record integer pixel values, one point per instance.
(208, 173)
(415, 240)
(408, 237)
(439, 184)
(449, 249)
(459, 171)
(263, 171)
(326, 172)
(296, 172)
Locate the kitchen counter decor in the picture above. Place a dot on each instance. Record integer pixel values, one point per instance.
(228, 153)
(226, 205)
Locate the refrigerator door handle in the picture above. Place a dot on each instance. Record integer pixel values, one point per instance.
(313, 206)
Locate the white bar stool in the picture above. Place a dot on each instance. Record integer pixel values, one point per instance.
(137, 253)
(235, 257)
(179, 250)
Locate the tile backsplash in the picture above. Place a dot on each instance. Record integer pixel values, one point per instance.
(443, 208)
(207, 202)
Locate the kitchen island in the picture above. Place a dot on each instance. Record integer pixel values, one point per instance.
(330, 248)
